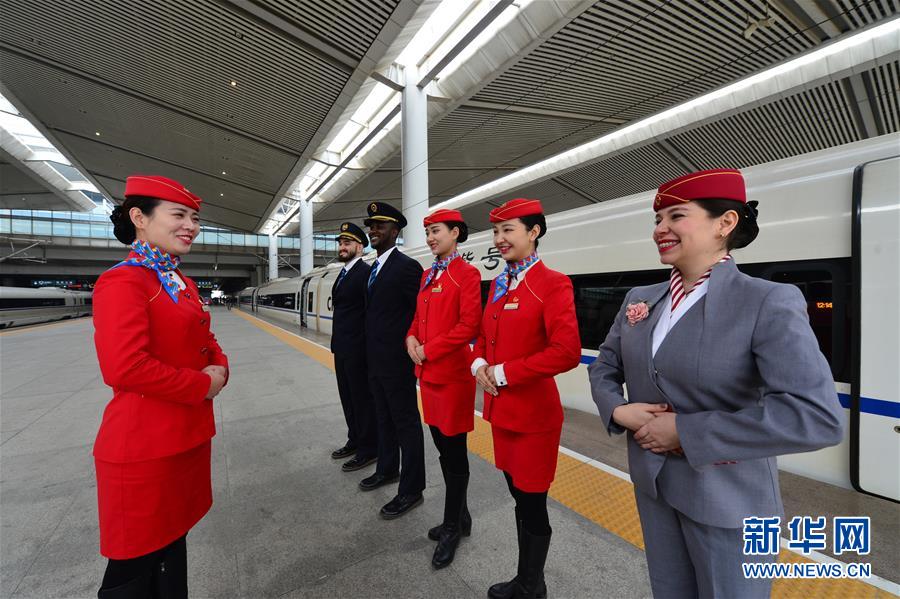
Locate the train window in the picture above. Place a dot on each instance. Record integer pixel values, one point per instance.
(10, 303)
(277, 300)
(309, 302)
(285, 300)
(826, 287)
(599, 297)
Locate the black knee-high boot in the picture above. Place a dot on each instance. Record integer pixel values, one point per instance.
(515, 588)
(452, 531)
(170, 578)
(531, 580)
(136, 588)
(434, 533)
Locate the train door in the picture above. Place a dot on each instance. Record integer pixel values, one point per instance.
(304, 303)
(326, 302)
(875, 379)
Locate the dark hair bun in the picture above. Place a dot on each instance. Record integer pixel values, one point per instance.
(463, 230)
(747, 228)
(123, 228)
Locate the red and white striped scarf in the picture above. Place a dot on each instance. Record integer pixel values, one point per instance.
(676, 284)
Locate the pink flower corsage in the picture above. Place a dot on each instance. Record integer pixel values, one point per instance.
(637, 312)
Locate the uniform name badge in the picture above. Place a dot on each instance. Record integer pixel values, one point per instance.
(512, 305)
(437, 289)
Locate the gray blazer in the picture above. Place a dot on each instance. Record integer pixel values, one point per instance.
(744, 374)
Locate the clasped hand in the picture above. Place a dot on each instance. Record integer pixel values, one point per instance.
(485, 377)
(218, 375)
(653, 426)
(415, 350)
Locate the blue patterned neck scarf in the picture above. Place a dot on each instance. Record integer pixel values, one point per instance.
(509, 273)
(438, 266)
(157, 261)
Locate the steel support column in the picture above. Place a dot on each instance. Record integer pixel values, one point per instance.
(273, 257)
(414, 153)
(306, 236)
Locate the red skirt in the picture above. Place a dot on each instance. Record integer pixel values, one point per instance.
(146, 505)
(529, 458)
(450, 407)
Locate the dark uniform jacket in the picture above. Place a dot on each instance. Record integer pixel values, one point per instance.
(389, 313)
(349, 306)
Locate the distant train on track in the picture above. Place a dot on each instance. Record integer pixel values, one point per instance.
(829, 224)
(24, 305)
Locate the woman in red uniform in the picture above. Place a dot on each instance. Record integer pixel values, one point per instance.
(448, 311)
(529, 334)
(155, 349)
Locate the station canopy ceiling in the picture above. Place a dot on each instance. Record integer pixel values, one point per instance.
(237, 98)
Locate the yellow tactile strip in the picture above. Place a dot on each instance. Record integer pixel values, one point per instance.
(602, 497)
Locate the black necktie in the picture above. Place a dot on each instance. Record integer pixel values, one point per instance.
(341, 276)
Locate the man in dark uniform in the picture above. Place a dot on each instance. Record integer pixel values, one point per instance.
(348, 296)
(393, 286)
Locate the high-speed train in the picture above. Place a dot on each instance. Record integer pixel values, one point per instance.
(24, 305)
(829, 224)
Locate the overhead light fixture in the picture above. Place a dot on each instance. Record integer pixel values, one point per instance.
(224, 173)
(753, 24)
(221, 195)
(233, 83)
(97, 133)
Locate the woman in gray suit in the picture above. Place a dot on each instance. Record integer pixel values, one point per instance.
(723, 374)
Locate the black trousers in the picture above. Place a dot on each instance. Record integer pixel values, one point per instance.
(161, 574)
(531, 508)
(453, 451)
(401, 444)
(359, 409)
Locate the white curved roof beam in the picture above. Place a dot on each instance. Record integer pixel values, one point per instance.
(38, 165)
(852, 54)
(482, 43)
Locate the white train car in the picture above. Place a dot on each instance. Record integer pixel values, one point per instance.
(23, 305)
(247, 299)
(829, 223)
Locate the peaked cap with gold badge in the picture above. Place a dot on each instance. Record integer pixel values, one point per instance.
(379, 211)
(353, 232)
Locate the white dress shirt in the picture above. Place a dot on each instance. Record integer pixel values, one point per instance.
(499, 374)
(352, 263)
(380, 260)
(668, 318)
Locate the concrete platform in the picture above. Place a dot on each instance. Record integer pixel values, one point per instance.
(286, 521)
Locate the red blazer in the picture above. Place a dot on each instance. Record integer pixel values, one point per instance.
(448, 312)
(534, 342)
(151, 351)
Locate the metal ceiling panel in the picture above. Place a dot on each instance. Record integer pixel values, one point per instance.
(632, 58)
(554, 196)
(238, 207)
(858, 13)
(632, 172)
(21, 191)
(351, 26)
(130, 123)
(485, 138)
(885, 83)
(184, 54)
(805, 122)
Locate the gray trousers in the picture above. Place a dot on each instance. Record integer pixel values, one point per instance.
(687, 559)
